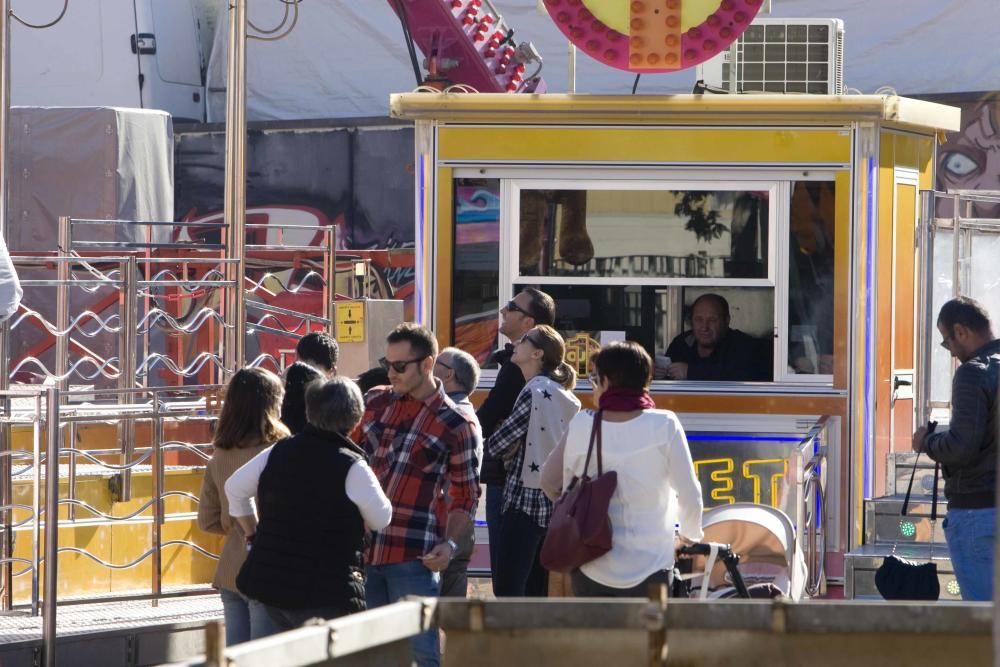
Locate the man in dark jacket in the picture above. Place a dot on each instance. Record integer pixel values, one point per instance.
(528, 309)
(713, 351)
(967, 451)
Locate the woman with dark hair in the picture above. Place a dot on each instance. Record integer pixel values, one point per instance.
(247, 425)
(293, 407)
(535, 426)
(657, 485)
(316, 499)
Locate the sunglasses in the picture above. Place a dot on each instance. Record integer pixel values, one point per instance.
(512, 307)
(399, 366)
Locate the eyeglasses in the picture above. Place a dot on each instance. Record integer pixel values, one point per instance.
(526, 338)
(512, 307)
(946, 343)
(441, 363)
(399, 366)
(594, 379)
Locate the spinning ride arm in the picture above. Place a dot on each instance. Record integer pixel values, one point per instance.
(467, 42)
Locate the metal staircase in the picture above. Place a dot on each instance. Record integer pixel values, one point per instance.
(912, 537)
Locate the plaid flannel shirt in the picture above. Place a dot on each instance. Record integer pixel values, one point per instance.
(413, 447)
(507, 442)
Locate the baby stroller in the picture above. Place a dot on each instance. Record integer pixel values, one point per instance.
(749, 551)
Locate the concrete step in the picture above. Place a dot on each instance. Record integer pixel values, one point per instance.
(885, 525)
(860, 566)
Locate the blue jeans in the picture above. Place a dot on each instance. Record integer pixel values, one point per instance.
(971, 536)
(494, 519)
(246, 619)
(391, 583)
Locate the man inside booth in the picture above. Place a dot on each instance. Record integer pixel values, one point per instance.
(711, 351)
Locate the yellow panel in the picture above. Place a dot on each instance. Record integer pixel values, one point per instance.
(567, 144)
(443, 324)
(78, 574)
(842, 279)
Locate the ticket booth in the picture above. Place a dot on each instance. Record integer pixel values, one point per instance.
(798, 211)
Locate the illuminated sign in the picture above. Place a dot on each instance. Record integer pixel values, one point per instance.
(579, 349)
(648, 36)
(743, 469)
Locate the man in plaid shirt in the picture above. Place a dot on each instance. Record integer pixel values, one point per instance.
(415, 440)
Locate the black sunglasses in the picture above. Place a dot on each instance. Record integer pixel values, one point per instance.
(399, 366)
(512, 307)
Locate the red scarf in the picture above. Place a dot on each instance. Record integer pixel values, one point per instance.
(620, 399)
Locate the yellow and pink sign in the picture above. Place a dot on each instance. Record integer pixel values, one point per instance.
(648, 36)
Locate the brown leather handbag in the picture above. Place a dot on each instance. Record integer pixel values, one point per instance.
(580, 529)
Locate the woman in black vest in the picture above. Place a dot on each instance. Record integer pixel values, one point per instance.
(316, 497)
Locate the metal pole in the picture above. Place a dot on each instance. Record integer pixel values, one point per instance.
(7, 533)
(330, 289)
(235, 190)
(36, 506)
(126, 366)
(157, 498)
(51, 525)
(925, 279)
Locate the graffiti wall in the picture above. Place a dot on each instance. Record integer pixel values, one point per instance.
(358, 178)
(970, 159)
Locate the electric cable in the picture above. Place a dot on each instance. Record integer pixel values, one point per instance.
(44, 25)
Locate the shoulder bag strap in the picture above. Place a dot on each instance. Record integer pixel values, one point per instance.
(595, 437)
(909, 489)
(906, 501)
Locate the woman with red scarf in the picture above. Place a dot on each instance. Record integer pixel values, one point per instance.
(657, 485)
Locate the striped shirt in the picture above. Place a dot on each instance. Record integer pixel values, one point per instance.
(507, 442)
(414, 447)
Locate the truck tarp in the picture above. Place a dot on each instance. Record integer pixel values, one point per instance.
(344, 59)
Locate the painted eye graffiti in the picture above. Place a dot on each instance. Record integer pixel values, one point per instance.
(959, 164)
(648, 36)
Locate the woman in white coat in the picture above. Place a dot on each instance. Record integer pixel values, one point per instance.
(657, 484)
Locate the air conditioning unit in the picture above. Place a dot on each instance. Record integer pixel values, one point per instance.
(783, 56)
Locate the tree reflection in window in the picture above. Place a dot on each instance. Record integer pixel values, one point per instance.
(644, 233)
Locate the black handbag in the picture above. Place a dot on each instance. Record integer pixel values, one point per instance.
(901, 579)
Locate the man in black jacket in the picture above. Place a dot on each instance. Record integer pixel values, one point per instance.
(967, 450)
(529, 308)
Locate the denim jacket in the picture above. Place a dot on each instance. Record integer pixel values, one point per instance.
(967, 451)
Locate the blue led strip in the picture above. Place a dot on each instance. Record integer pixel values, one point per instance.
(418, 292)
(869, 341)
(740, 438)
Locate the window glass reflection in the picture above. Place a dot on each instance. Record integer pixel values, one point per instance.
(476, 282)
(810, 277)
(644, 233)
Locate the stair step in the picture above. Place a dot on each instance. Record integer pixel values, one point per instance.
(860, 566)
(884, 524)
(901, 467)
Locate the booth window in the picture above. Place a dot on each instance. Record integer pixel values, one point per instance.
(476, 280)
(647, 233)
(630, 259)
(811, 277)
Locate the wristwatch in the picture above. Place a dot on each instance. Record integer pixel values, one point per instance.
(454, 547)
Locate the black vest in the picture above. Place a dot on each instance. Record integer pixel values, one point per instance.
(308, 549)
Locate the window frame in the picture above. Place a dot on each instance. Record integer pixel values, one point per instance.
(777, 182)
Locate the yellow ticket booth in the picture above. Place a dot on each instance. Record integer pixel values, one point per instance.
(798, 211)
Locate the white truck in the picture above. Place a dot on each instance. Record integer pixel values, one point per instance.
(147, 54)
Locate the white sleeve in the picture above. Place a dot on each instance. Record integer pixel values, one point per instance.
(364, 491)
(242, 484)
(682, 478)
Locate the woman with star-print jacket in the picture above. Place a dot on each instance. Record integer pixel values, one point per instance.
(525, 439)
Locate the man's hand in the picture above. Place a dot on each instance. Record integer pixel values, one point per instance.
(918, 439)
(677, 371)
(437, 559)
